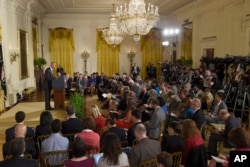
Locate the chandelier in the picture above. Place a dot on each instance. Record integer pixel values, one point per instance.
(112, 35)
(137, 20)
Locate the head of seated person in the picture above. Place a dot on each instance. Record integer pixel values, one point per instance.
(164, 159)
(240, 137)
(17, 146)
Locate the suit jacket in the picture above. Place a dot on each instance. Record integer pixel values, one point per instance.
(19, 162)
(42, 130)
(197, 157)
(48, 77)
(9, 133)
(135, 70)
(29, 148)
(198, 117)
(215, 111)
(120, 132)
(72, 125)
(146, 149)
(55, 142)
(155, 123)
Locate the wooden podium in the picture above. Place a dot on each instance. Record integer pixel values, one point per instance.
(58, 86)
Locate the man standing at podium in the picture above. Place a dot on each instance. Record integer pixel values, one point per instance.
(48, 77)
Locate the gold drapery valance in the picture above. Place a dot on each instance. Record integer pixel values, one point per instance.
(61, 47)
(108, 56)
(151, 48)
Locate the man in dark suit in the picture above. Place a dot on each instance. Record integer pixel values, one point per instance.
(198, 115)
(218, 104)
(10, 132)
(17, 147)
(120, 132)
(135, 70)
(219, 135)
(72, 124)
(48, 77)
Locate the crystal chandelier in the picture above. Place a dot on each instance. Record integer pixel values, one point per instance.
(137, 20)
(112, 35)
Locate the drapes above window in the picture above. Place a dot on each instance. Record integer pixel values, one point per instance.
(61, 48)
(108, 56)
(152, 50)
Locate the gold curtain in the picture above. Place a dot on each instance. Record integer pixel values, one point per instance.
(61, 47)
(34, 35)
(187, 44)
(151, 48)
(108, 56)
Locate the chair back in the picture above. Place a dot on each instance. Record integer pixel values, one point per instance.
(9, 156)
(70, 136)
(149, 163)
(39, 140)
(177, 156)
(162, 128)
(54, 158)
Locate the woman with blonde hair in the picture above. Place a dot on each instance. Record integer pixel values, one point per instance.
(192, 138)
(98, 118)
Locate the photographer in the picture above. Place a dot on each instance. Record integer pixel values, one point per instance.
(165, 67)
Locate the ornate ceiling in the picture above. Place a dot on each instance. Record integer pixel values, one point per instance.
(104, 6)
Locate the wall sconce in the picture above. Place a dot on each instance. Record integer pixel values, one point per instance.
(85, 56)
(13, 55)
(131, 55)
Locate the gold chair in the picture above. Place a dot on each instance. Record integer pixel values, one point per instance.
(177, 156)
(9, 156)
(53, 158)
(149, 163)
(162, 128)
(39, 140)
(70, 136)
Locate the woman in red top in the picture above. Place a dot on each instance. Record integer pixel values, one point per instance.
(192, 138)
(98, 118)
(89, 137)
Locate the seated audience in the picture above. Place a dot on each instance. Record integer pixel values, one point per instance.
(175, 105)
(88, 135)
(20, 132)
(98, 118)
(127, 122)
(112, 152)
(119, 132)
(173, 141)
(19, 117)
(55, 141)
(231, 122)
(44, 128)
(72, 124)
(146, 149)
(192, 138)
(164, 159)
(79, 155)
(17, 148)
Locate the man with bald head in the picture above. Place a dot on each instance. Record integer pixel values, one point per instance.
(220, 135)
(146, 149)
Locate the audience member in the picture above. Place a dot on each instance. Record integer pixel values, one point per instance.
(198, 115)
(19, 117)
(17, 149)
(21, 131)
(72, 124)
(79, 155)
(44, 128)
(157, 117)
(164, 159)
(173, 141)
(98, 118)
(231, 122)
(55, 141)
(146, 149)
(192, 138)
(112, 152)
(88, 135)
(119, 132)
